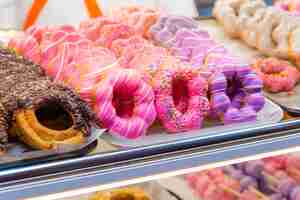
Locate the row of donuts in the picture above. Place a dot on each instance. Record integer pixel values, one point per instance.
(132, 110)
(268, 29)
(244, 98)
(273, 178)
(180, 109)
(25, 92)
(181, 35)
(95, 59)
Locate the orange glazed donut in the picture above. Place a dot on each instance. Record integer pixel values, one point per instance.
(125, 104)
(277, 75)
(180, 98)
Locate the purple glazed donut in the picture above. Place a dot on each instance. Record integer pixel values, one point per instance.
(192, 46)
(180, 98)
(235, 90)
(167, 26)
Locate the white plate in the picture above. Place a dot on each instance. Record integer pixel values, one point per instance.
(290, 102)
(271, 113)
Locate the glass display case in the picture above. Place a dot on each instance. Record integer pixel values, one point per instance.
(143, 102)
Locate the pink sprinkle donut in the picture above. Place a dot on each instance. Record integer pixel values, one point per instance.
(125, 104)
(180, 98)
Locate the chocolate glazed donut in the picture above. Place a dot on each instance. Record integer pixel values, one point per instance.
(37, 111)
(45, 114)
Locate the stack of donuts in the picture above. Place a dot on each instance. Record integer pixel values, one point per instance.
(274, 178)
(135, 67)
(36, 111)
(269, 29)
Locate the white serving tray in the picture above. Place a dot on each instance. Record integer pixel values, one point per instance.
(271, 113)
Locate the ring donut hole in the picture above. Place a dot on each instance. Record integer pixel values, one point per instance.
(234, 85)
(180, 93)
(54, 116)
(123, 101)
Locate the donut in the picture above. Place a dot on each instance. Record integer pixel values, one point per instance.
(38, 112)
(132, 193)
(137, 53)
(62, 51)
(135, 43)
(294, 50)
(277, 75)
(186, 33)
(45, 115)
(269, 29)
(235, 90)
(226, 12)
(167, 26)
(87, 69)
(125, 104)
(92, 28)
(250, 15)
(139, 17)
(180, 98)
(192, 46)
(15, 69)
(111, 32)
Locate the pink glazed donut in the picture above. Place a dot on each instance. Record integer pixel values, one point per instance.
(180, 98)
(125, 104)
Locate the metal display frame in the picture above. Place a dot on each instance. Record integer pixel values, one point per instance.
(149, 162)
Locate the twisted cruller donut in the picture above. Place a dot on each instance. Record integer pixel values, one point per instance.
(277, 75)
(132, 193)
(125, 104)
(180, 98)
(270, 30)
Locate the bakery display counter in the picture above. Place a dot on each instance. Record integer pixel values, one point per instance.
(99, 171)
(138, 96)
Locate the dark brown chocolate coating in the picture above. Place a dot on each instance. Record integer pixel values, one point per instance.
(24, 85)
(35, 94)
